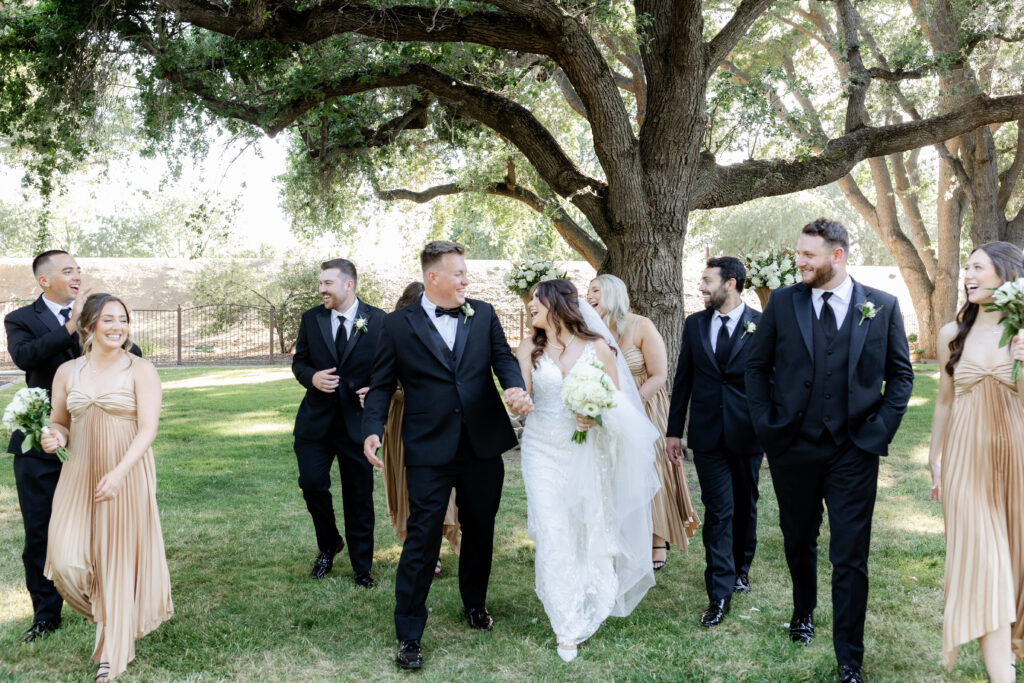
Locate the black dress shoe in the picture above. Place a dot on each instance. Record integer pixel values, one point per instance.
(410, 655)
(850, 674)
(365, 580)
(713, 614)
(324, 562)
(801, 629)
(40, 629)
(742, 584)
(479, 618)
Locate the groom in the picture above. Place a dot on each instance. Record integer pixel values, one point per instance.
(443, 349)
(828, 380)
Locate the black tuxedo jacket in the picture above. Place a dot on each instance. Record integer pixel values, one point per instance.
(780, 369)
(314, 351)
(38, 345)
(717, 399)
(441, 396)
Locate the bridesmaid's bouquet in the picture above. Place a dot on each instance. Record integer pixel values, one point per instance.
(528, 272)
(588, 391)
(29, 411)
(1008, 299)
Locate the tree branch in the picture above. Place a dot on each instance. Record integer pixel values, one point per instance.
(746, 14)
(1008, 178)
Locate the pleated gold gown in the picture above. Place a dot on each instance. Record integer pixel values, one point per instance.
(675, 517)
(107, 559)
(395, 490)
(983, 507)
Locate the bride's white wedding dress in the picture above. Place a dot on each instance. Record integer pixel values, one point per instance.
(588, 507)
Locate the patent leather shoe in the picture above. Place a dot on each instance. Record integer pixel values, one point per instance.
(324, 562)
(850, 674)
(742, 584)
(365, 580)
(479, 618)
(712, 616)
(410, 655)
(801, 629)
(39, 629)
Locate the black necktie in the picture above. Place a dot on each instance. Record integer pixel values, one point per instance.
(828, 317)
(723, 345)
(66, 314)
(340, 338)
(453, 312)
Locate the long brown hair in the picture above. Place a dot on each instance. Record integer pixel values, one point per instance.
(412, 292)
(1009, 264)
(563, 304)
(91, 310)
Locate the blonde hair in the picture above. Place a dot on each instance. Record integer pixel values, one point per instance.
(614, 301)
(91, 310)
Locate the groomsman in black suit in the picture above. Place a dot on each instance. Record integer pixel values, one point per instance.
(710, 380)
(40, 337)
(333, 357)
(443, 349)
(828, 381)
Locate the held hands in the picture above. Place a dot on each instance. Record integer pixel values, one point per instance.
(518, 401)
(371, 446)
(674, 449)
(583, 423)
(109, 486)
(325, 380)
(50, 440)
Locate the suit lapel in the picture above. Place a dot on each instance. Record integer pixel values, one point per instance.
(418, 321)
(740, 330)
(461, 335)
(50, 322)
(355, 336)
(858, 331)
(703, 329)
(323, 319)
(804, 312)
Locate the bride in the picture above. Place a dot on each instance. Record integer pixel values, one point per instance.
(589, 504)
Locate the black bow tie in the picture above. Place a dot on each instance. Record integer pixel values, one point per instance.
(453, 312)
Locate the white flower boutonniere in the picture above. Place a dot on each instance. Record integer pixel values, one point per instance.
(361, 325)
(867, 311)
(749, 327)
(467, 311)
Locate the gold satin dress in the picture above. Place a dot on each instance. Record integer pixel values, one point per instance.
(675, 517)
(107, 559)
(983, 508)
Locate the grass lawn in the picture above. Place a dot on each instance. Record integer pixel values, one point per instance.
(240, 544)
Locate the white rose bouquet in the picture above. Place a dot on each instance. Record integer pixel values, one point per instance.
(772, 269)
(1008, 299)
(29, 411)
(587, 391)
(528, 272)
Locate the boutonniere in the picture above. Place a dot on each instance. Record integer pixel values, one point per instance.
(867, 311)
(749, 327)
(467, 311)
(361, 325)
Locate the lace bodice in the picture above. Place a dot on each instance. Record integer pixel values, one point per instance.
(547, 385)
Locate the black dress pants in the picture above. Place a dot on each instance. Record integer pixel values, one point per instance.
(36, 480)
(477, 485)
(846, 479)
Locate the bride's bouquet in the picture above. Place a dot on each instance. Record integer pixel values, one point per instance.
(29, 411)
(1008, 299)
(588, 391)
(528, 272)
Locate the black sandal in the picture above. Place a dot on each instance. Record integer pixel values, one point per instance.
(104, 671)
(658, 564)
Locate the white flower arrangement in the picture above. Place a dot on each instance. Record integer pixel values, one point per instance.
(772, 269)
(587, 390)
(467, 311)
(29, 411)
(361, 324)
(1008, 300)
(867, 311)
(528, 272)
(749, 327)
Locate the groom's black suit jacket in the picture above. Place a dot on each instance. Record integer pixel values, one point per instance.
(445, 391)
(315, 350)
(716, 397)
(780, 369)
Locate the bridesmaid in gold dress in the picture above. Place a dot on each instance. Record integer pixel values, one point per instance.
(675, 517)
(977, 461)
(106, 551)
(394, 461)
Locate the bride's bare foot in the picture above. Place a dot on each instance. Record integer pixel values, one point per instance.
(567, 652)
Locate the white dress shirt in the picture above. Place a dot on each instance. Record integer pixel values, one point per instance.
(842, 297)
(444, 324)
(350, 319)
(733, 317)
(56, 308)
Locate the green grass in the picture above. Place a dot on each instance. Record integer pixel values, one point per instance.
(240, 543)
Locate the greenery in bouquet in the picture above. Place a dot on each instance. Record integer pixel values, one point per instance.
(1008, 299)
(528, 272)
(29, 411)
(771, 268)
(587, 390)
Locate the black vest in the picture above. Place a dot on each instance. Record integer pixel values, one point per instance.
(828, 407)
